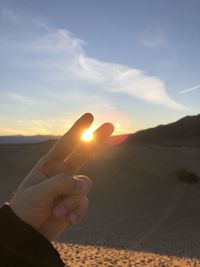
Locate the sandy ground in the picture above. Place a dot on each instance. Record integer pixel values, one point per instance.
(139, 214)
(92, 256)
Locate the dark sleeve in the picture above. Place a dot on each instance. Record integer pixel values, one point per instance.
(21, 245)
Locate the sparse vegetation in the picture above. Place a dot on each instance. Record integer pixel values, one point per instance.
(187, 176)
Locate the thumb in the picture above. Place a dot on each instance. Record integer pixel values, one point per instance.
(58, 185)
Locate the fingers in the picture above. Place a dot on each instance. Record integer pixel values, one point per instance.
(103, 132)
(57, 221)
(59, 185)
(66, 204)
(86, 149)
(54, 226)
(77, 214)
(52, 162)
(70, 152)
(87, 180)
(65, 146)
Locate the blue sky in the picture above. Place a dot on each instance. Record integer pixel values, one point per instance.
(134, 63)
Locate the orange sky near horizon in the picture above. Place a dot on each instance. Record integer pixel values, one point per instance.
(61, 125)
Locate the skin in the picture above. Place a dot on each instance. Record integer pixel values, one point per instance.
(52, 197)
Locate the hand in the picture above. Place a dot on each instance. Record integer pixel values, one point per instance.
(48, 199)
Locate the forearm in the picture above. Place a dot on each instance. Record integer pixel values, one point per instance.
(21, 245)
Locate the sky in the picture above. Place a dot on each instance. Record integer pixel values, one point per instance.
(133, 63)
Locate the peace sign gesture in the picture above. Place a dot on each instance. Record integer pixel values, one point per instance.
(51, 197)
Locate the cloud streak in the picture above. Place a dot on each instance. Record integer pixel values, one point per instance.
(188, 90)
(57, 58)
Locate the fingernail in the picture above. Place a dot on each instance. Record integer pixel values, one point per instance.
(60, 211)
(72, 217)
(79, 184)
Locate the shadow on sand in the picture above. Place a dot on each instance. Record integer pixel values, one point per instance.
(136, 202)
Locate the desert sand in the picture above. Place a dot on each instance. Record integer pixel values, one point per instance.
(92, 256)
(139, 214)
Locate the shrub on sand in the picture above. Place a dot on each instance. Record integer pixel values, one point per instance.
(187, 176)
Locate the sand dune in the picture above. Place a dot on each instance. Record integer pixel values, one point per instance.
(92, 256)
(139, 214)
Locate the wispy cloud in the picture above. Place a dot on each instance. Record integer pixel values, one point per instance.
(9, 15)
(190, 89)
(153, 36)
(58, 59)
(21, 99)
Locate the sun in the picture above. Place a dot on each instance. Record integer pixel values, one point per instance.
(87, 135)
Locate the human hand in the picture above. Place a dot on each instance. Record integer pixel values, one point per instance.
(48, 199)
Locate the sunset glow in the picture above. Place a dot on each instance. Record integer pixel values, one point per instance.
(87, 135)
(50, 61)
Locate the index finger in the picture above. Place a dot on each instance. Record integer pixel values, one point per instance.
(52, 162)
(79, 155)
(67, 143)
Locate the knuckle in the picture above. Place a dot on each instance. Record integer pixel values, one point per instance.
(66, 178)
(63, 183)
(86, 179)
(73, 200)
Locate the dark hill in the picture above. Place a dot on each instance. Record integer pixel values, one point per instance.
(184, 132)
(21, 139)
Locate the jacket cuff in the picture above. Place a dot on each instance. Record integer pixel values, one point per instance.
(21, 241)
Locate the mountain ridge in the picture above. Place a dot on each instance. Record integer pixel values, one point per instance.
(183, 132)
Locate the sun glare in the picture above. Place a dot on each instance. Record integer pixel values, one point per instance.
(87, 135)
